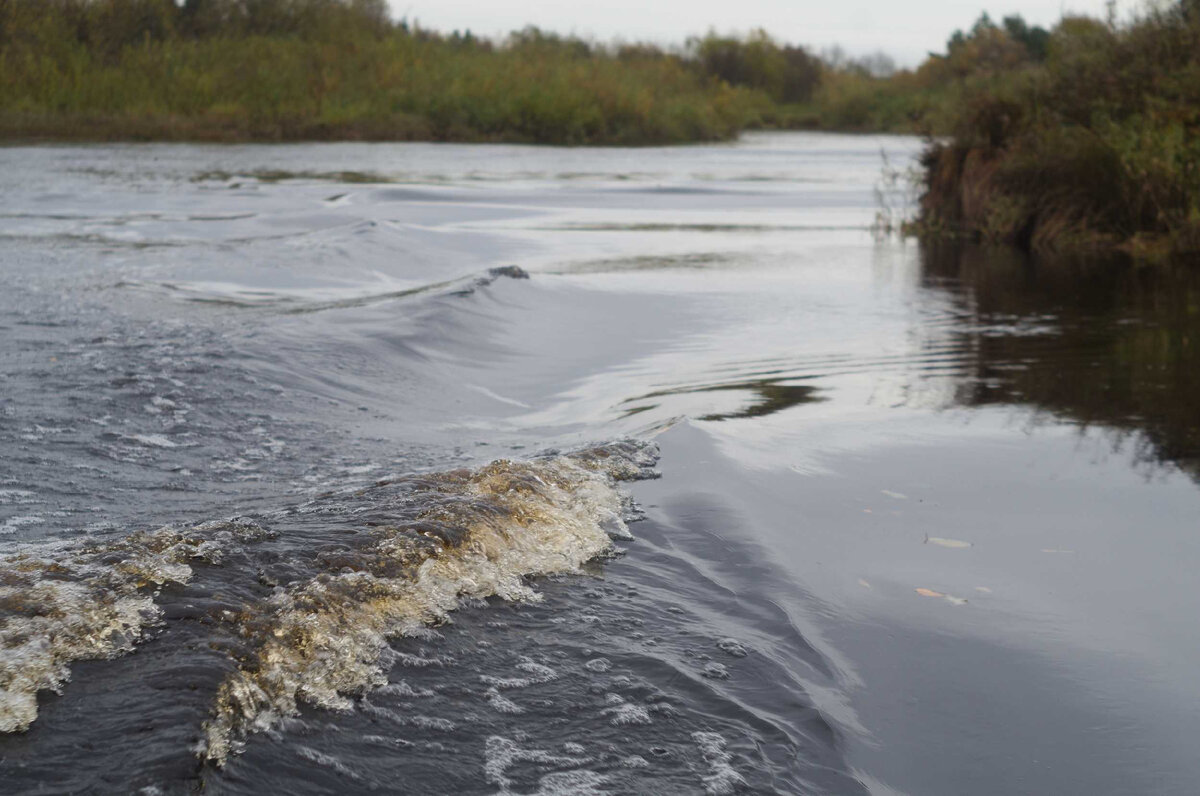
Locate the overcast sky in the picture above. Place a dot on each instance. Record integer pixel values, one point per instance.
(904, 29)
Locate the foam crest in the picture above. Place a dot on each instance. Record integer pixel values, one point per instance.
(474, 534)
(68, 601)
(722, 778)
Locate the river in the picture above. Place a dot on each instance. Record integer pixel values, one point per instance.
(459, 469)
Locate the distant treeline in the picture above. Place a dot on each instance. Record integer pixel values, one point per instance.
(1083, 137)
(314, 69)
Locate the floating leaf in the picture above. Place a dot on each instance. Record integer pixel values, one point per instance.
(943, 542)
(950, 598)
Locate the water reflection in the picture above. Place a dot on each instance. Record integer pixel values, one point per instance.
(769, 396)
(1098, 343)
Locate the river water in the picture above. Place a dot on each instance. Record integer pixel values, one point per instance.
(319, 466)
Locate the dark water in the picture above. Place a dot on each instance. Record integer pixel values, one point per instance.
(905, 520)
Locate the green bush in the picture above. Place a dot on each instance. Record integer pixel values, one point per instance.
(1099, 143)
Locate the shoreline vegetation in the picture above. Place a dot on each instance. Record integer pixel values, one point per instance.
(1082, 137)
(292, 70)
(1092, 145)
(296, 70)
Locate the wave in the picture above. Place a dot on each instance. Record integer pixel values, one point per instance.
(349, 570)
(65, 602)
(474, 534)
(303, 301)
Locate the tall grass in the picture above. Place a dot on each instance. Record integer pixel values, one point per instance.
(305, 69)
(312, 69)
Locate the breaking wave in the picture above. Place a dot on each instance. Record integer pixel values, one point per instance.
(65, 602)
(462, 534)
(360, 567)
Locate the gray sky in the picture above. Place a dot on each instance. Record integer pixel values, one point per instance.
(904, 29)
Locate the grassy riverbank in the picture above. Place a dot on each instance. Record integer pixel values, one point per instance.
(341, 69)
(250, 70)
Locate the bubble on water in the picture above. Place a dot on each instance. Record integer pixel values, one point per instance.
(402, 718)
(503, 704)
(153, 440)
(502, 754)
(722, 778)
(384, 740)
(17, 496)
(328, 761)
(733, 647)
(12, 524)
(622, 713)
(537, 673)
(403, 689)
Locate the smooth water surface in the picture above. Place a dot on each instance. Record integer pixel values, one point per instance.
(926, 519)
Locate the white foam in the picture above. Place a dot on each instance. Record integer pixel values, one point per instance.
(323, 639)
(501, 754)
(538, 673)
(418, 661)
(622, 713)
(405, 719)
(13, 523)
(733, 647)
(403, 689)
(328, 761)
(99, 615)
(503, 704)
(69, 601)
(722, 778)
(153, 440)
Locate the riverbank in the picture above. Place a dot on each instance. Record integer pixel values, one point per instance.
(395, 87)
(327, 70)
(323, 70)
(1094, 147)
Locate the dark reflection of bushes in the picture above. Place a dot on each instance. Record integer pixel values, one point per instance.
(770, 396)
(1101, 343)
